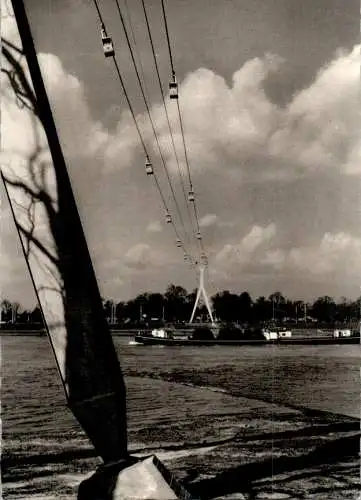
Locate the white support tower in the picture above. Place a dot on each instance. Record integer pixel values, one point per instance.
(113, 314)
(13, 314)
(201, 292)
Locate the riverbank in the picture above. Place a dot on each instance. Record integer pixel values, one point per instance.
(296, 332)
(255, 450)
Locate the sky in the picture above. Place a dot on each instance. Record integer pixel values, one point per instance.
(269, 93)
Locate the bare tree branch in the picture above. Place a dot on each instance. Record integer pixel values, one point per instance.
(38, 244)
(21, 185)
(20, 206)
(49, 270)
(24, 84)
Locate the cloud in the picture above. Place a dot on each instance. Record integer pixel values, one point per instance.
(208, 220)
(237, 127)
(140, 257)
(233, 127)
(320, 127)
(80, 135)
(154, 227)
(243, 252)
(335, 257)
(235, 136)
(337, 253)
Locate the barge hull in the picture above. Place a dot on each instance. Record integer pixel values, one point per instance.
(147, 340)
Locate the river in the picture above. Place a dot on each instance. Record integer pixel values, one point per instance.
(182, 403)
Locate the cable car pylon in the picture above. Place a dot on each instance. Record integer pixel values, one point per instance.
(201, 292)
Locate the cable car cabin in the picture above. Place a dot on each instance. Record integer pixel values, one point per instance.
(148, 168)
(168, 219)
(198, 236)
(179, 243)
(191, 196)
(185, 256)
(107, 42)
(173, 88)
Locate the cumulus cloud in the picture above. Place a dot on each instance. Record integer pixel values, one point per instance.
(235, 127)
(141, 256)
(243, 252)
(208, 220)
(320, 127)
(336, 253)
(154, 227)
(240, 128)
(80, 134)
(233, 131)
(334, 256)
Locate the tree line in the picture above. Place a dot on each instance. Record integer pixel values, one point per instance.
(176, 305)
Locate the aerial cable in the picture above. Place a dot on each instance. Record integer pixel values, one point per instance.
(98, 11)
(109, 52)
(168, 41)
(150, 171)
(139, 60)
(191, 192)
(178, 107)
(168, 216)
(165, 108)
(150, 117)
(131, 108)
(112, 54)
(129, 20)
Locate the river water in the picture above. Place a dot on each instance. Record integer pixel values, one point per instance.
(182, 403)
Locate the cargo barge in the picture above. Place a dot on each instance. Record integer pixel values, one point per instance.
(170, 337)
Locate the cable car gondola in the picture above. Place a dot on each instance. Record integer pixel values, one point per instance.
(149, 167)
(168, 219)
(173, 88)
(198, 236)
(191, 196)
(108, 47)
(179, 243)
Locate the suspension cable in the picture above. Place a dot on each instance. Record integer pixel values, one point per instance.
(181, 127)
(130, 106)
(98, 11)
(150, 118)
(168, 41)
(165, 109)
(141, 69)
(139, 132)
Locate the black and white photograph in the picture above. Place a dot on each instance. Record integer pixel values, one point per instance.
(180, 250)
